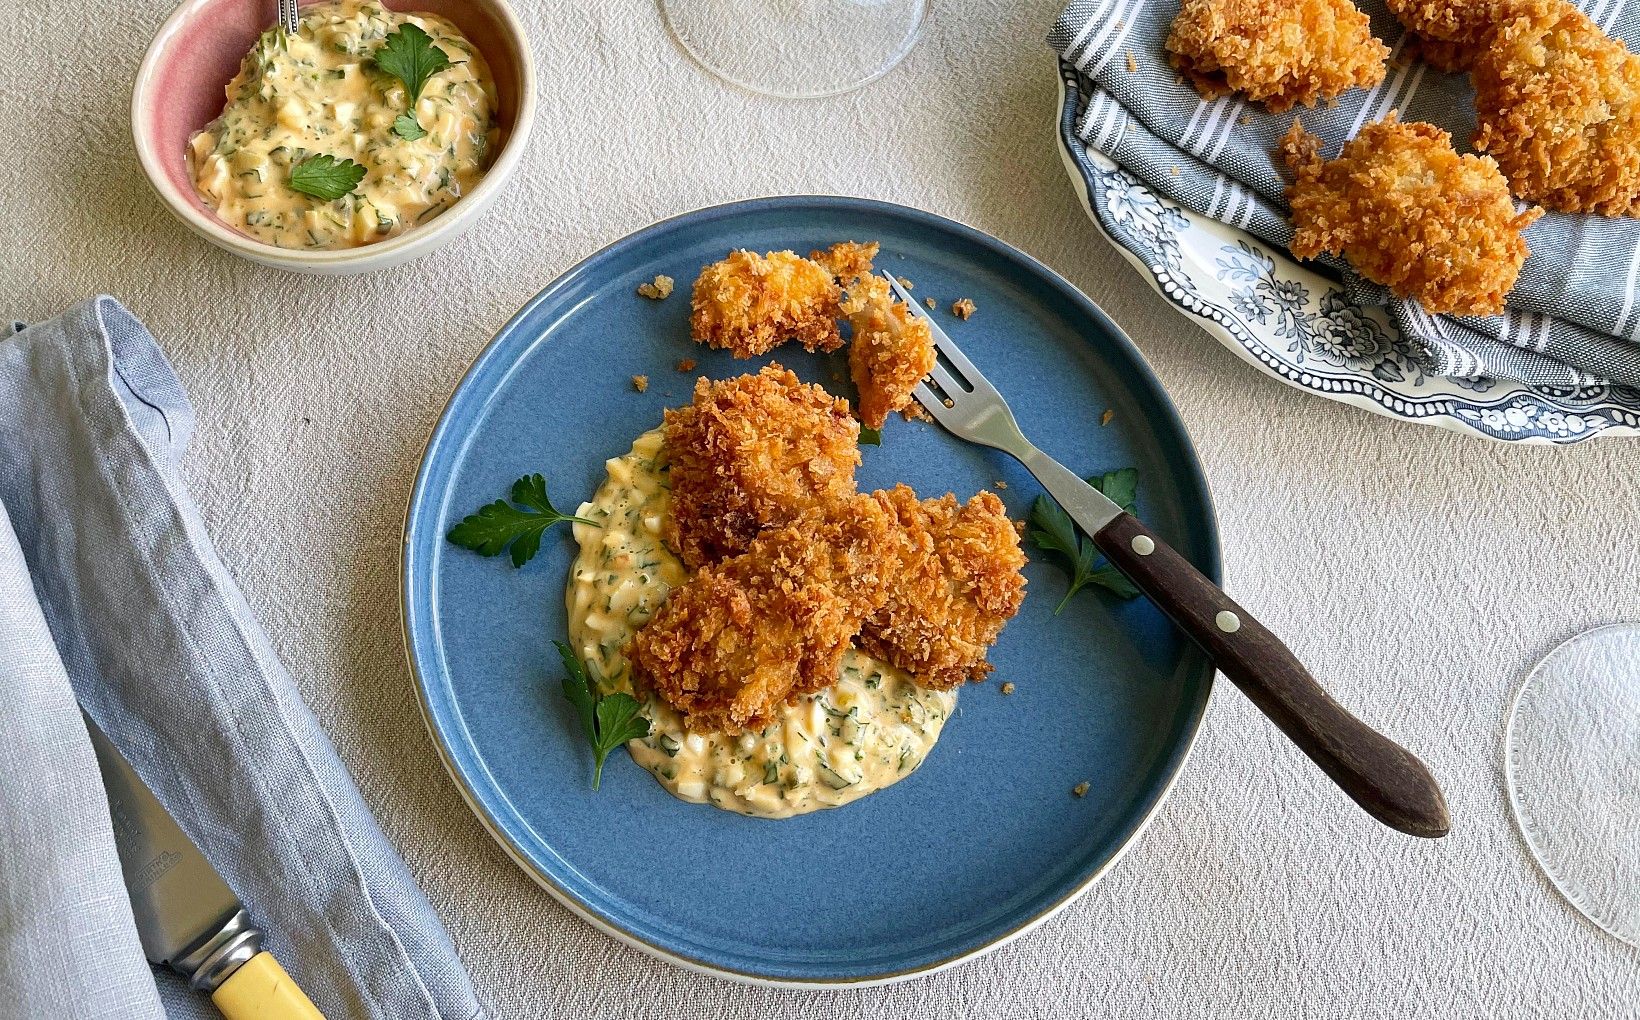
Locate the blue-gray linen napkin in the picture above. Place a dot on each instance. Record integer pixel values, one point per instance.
(1573, 318)
(148, 632)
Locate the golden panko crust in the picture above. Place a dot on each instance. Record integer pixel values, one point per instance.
(1410, 213)
(1277, 52)
(891, 350)
(750, 453)
(1451, 34)
(956, 581)
(744, 636)
(1558, 106)
(848, 261)
(750, 304)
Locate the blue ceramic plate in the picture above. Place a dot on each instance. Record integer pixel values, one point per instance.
(982, 842)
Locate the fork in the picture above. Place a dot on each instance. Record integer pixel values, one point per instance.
(1380, 775)
(288, 15)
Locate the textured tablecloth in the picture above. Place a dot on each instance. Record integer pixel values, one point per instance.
(1420, 573)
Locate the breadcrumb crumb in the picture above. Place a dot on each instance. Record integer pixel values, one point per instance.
(640, 383)
(930, 302)
(658, 289)
(1132, 64)
(1001, 484)
(1104, 419)
(1008, 688)
(963, 308)
(1081, 789)
(686, 365)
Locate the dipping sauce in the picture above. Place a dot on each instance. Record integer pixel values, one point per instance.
(319, 92)
(870, 730)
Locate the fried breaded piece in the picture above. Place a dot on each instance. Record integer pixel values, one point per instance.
(750, 304)
(1278, 52)
(1558, 106)
(956, 581)
(741, 637)
(1450, 34)
(1409, 213)
(891, 350)
(847, 260)
(754, 452)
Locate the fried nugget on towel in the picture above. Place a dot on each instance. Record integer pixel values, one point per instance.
(1276, 52)
(1410, 213)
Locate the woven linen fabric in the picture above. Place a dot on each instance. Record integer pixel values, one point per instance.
(1417, 572)
(1573, 318)
(162, 651)
(66, 931)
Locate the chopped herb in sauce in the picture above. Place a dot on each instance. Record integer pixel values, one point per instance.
(423, 141)
(870, 730)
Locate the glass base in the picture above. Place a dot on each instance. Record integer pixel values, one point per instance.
(1572, 765)
(796, 49)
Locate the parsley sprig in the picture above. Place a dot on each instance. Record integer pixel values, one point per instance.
(1052, 530)
(325, 177)
(497, 525)
(608, 720)
(408, 128)
(409, 55)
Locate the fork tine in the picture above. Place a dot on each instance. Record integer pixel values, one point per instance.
(948, 347)
(942, 342)
(900, 291)
(930, 400)
(946, 381)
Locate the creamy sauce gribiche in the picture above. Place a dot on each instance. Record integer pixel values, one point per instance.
(319, 92)
(871, 729)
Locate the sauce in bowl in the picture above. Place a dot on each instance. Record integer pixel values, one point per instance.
(320, 93)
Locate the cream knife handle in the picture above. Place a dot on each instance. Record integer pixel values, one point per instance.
(261, 990)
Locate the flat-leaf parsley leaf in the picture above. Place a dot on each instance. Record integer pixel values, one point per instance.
(500, 524)
(325, 177)
(1052, 530)
(408, 128)
(608, 720)
(409, 55)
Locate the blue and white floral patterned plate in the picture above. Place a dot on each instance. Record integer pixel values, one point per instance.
(1295, 324)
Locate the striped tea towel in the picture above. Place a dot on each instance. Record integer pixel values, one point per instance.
(1573, 318)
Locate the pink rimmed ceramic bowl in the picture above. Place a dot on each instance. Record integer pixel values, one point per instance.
(181, 86)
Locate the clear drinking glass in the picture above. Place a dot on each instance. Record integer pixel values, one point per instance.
(796, 48)
(1572, 765)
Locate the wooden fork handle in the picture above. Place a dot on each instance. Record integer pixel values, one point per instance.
(1377, 773)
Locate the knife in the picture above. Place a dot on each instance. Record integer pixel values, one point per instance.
(187, 917)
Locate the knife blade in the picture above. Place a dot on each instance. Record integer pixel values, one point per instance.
(187, 917)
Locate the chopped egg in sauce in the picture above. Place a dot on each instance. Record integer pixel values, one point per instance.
(870, 730)
(319, 92)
